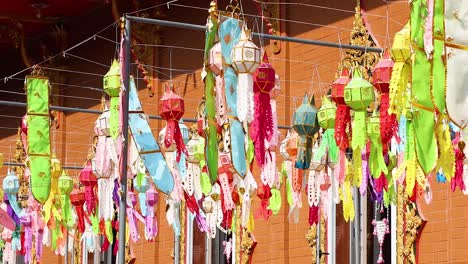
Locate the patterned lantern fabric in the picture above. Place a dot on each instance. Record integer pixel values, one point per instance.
(343, 118)
(171, 108)
(37, 90)
(306, 125)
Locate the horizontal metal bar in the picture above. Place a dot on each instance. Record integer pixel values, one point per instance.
(13, 164)
(91, 111)
(167, 23)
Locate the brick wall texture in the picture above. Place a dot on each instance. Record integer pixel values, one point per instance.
(445, 236)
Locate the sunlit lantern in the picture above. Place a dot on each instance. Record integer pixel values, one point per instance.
(215, 59)
(382, 73)
(359, 93)
(306, 125)
(112, 80)
(326, 114)
(246, 55)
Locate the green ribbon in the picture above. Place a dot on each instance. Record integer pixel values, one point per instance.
(376, 160)
(358, 143)
(210, 106)
(438, 65)
(67, 211)
(204, 180)
(37, 90)
(426, 147)
(328, 142)
(275, 201)
(114, 117)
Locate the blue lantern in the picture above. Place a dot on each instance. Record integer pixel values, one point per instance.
(306, 125)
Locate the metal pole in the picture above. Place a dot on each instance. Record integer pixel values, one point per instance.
(91, 111)
(167, 23)
(127, 31)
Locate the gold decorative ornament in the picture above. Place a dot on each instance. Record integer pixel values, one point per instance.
(311, 237)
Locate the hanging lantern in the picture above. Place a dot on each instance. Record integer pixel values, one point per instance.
(326, 114)
(11, 185)
(171, 108)
(89, 180)
(65, 185)
(381, 77)
(55, 167)
(215, 59)
(359, 93)
(78, 199)
(112, 88)
(288, 147)
(245, 60)
(306, 125)
(262, 128)
(196, 149)
(376, 161)
(343, 117)
(382, 73)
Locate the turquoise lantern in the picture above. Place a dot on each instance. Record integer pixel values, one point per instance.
(11, 186)
(306, 125)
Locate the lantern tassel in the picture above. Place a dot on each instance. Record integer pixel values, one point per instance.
(245, 97)
(343, 119)
(114, 117)
(304, 152)
(262, 127)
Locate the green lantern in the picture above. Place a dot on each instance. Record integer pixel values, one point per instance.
(112, 86)
(326, 114)
(65, 185)
(359, 93)
(112, 80)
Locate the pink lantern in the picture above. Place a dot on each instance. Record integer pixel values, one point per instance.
(343, 116)
(171, 108)
(382, 73)
(215, 59)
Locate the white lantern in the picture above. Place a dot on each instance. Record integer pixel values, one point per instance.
(245, 55)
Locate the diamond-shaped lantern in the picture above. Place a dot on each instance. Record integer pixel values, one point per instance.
(87, 177)
(338, 86)
(305, 118)
(264, 77)
(326, 114)
(171, 108)
(215, 59)
(382, 73)
(103, 123)
(401, 48)
(77, 197)
(359, 93)
(55, 167)
(245, 55)
(196, 148)
(11, 183)
(112, 80)
(65, 184)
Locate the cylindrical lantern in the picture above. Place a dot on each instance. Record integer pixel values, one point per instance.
(245, 60)
(171, 108)
(382, 73)
(306, 125)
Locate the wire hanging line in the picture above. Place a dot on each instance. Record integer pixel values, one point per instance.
(93, 37)
(256, 34)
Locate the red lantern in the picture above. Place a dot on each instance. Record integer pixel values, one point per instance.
(381, 76)
(343, 117)
(89, 180)
(171, 108)
(262, 125)
(382, 73)
(78, 199)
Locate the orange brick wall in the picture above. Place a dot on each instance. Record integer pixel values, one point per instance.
(445, 236)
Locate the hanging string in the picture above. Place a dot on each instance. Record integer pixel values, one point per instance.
(168, 3)
(84, 59)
